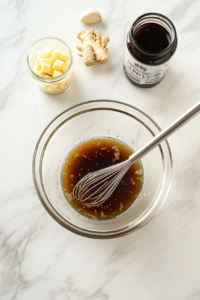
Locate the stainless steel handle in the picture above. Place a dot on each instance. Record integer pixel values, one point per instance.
(170, 129)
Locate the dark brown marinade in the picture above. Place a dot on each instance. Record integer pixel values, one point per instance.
(94, 155)
(150, 59)
(151, 43)
(152, 37)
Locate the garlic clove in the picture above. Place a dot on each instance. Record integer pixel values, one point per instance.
(91, 16)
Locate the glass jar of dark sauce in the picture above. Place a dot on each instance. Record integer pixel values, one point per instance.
(151, 42)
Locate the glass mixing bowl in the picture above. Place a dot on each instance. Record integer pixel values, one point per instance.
(101, 118)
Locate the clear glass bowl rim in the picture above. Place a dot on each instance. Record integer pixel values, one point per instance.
(87, 233)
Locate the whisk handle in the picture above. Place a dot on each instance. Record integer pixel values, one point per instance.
(170, 129)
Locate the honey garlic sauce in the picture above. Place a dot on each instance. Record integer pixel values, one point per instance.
(92, 156)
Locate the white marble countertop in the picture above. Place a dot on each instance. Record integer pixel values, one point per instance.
(38, 258)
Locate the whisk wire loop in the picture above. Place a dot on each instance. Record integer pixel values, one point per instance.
(95, 188)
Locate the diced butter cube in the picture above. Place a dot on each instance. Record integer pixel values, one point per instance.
(56, 73)
(48, 76)
(56, 53)
(68, 63)
(64, 68)
(53, 59)
(64, 56)
(49, 50)
(40, 62)
(45, 61)
(36, 66)
(42, 74)
(39, 73)
(51, 72)
(58, 64)
(45, 68)
(46, 53)
(63, 84)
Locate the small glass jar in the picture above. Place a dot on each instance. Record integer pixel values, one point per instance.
(53, 85)
(146, 68)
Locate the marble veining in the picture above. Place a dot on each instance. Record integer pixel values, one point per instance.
(38, 258)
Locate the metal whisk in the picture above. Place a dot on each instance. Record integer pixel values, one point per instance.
(95, 188)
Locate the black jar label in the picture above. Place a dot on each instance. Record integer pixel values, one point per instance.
(141, 73)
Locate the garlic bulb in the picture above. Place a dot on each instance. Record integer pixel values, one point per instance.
(91, 16)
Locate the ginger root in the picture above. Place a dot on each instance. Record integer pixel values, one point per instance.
(93, 47)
